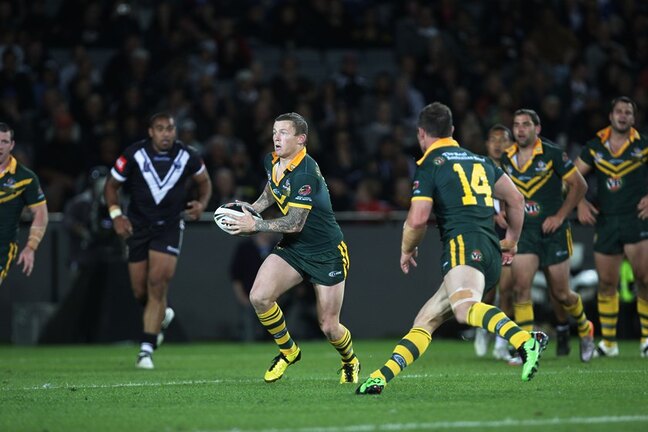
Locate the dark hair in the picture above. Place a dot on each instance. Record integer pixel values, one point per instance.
(159, 115)
(502, 128)
(624, 99)
(436, 120)
(532, 115)
(4, 127)
(301, 126)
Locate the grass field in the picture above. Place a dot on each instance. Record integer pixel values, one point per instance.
(219, 387)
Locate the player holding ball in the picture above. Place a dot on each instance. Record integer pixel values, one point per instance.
(312, 248)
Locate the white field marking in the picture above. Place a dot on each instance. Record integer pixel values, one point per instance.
(50, 386)
(512, 423)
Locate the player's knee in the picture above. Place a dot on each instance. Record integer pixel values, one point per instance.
(607, 287)
(461, 311)
(330, 327)
(461, 300)
(260, 300)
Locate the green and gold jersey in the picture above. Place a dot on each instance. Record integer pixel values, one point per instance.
(460, 185)
(540, 179)
(19, 187)
(621, 177)
(303, 186)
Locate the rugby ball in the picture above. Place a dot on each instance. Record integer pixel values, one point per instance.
(223, 213)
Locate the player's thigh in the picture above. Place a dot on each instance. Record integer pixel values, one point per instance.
(162, 267)
(464, 277)
(275, 277)
(637, 254)
(329, 300)
(523, 268)
(138, 272)
(557, 276)
(608, 268)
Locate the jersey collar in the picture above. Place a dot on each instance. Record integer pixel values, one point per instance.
(537, 150)
(604, 136)
(294, 162)
(11, 167)
(443, 142)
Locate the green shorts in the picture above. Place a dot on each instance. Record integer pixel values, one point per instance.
(8, 254)
(328, 268)
(614, 231)
(550, 248)
(475, 250)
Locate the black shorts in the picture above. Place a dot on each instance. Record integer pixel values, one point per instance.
(164, 238)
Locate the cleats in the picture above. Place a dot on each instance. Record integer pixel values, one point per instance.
(530, 353)
(279, 365)
(562, 340)
(643, 349)
(603, 350)
(144, 361)
(169, 314)
(371, 386)
(349, 372)
(515, 360)
(502, 353)
(481, 342)
(587, 346)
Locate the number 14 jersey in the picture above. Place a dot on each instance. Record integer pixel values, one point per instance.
(460, 184)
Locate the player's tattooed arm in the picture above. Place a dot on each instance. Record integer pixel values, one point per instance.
(264, 201)
(293, 222)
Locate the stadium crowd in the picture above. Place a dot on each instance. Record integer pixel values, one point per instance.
(79, 80)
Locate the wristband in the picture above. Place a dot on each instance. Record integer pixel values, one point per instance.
(114, 211)
(36, 234)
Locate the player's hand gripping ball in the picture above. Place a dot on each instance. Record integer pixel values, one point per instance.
(223, 213)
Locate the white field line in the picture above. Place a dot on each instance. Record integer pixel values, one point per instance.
(477, 424)
(226, 381)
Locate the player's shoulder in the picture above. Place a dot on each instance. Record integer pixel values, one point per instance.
(309, 165)
(593, 143)
(22, 172)
(135, 147)
(550, 146)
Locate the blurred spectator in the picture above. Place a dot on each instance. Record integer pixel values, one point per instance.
(60, 163)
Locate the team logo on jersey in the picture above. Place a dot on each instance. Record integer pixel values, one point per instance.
(532, 208)
(636, 153)
(286, 187)
(305, 190)
(439, 160)
(476, 255)
(8, 186)
(613, 184)
(120, 164)
(565, 158)
(541, 166)
(415, 185)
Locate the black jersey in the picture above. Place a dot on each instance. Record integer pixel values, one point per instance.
(157, 181)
